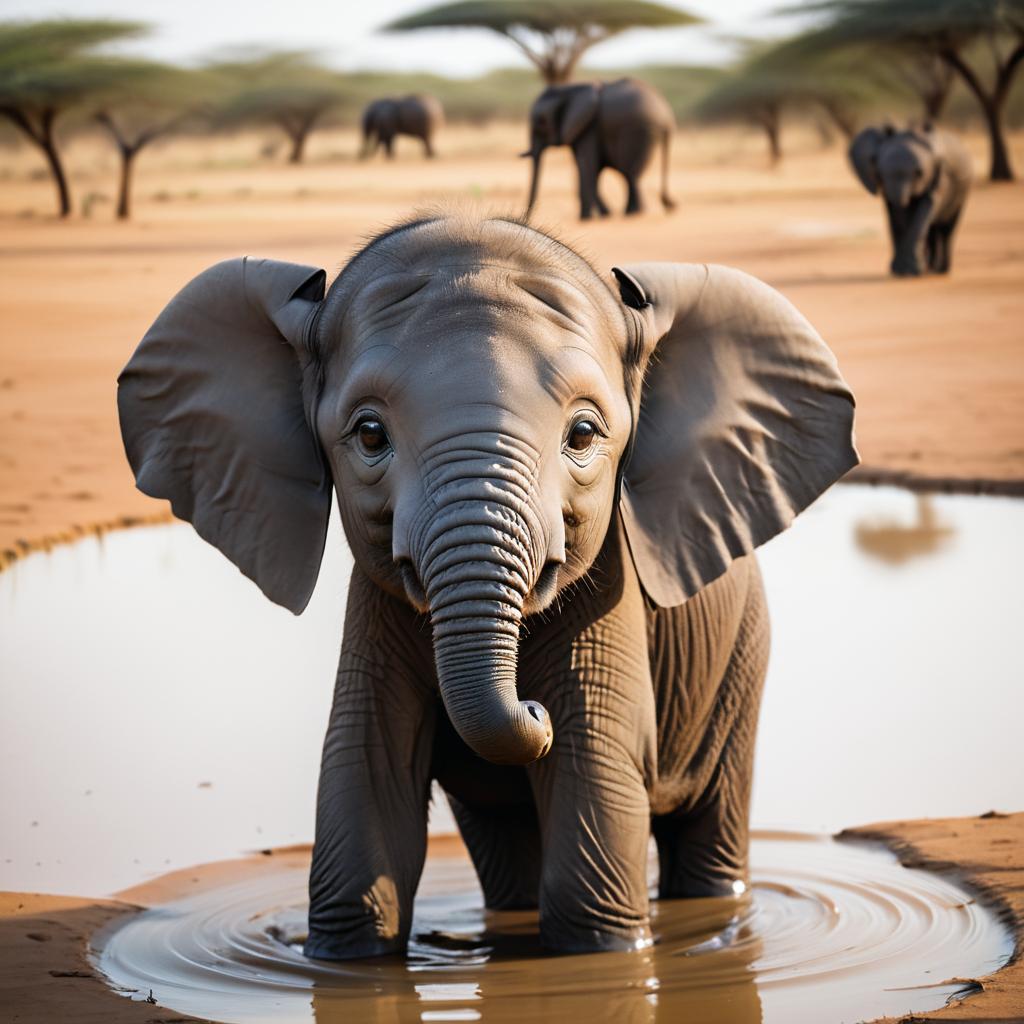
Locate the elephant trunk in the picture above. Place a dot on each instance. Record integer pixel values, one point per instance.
(477, 569)
(535, 155)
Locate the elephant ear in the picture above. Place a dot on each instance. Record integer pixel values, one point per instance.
(213, 419)
(863, 155)
(580, 110)
(744, 420)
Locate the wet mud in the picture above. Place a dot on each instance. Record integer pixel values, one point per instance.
(830, 931)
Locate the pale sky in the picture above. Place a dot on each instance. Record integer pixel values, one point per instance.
(344, 32)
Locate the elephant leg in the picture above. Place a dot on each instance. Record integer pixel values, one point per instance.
(602, 206)
(943, 254)
(371, 818)
(504, 845)
(592, 788)
(428, 148)
(634, 201)
(588, 167)
(703, 849)
(389, 146)
(910, 259)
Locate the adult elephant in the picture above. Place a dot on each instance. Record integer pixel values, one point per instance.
(924, 175)
(607, 124)
(419, 116)
(551, 483)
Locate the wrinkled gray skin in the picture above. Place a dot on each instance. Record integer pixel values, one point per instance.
(924, 176)
(419, 116)
(608, 124)
(551, 485)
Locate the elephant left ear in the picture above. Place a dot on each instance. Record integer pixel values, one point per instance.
(744, 420)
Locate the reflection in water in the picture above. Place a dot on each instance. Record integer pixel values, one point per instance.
(896, 542)
(831, 932)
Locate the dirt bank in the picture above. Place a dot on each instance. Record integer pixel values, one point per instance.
(937, 364)
(988, 854)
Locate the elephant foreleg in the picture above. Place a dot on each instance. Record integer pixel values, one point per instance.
(910, 258)
(371, 819)
(588, 168)
(592, 788)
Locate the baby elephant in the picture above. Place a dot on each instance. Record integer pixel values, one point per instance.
(551, 482)
(419, 116)
(924, 175)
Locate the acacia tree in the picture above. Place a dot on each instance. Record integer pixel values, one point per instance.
(288, 89)
(955, 32)
(147, 102)
(552, 34)
(755, 96)
(48, 68)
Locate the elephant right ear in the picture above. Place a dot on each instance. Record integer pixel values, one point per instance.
(213, 418)
(863, 155)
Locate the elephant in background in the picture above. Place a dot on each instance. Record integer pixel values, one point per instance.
(551, 482)
(924, 175)
(420, 116)
(607, 124)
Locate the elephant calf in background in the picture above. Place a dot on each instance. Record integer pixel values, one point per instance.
(924, 175)
(419, 116)
(551, 482)
(608, 124)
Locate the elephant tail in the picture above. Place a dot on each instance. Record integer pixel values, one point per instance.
(666, 142)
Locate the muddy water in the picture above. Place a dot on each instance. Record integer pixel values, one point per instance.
(832, 932)
(156, 711)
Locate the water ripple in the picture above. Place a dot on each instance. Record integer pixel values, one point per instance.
(830, 932)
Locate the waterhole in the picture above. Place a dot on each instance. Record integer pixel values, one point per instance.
(830, 932)
(156, 712)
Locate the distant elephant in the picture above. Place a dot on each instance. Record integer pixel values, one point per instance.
(608, 124)
(925, 175)
(551, 483)
(419, 116)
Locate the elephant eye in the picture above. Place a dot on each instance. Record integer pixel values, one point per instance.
(582, 435)
(373, 438)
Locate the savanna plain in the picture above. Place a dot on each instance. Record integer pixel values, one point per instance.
(936, 363)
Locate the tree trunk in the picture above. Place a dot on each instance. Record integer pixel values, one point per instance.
(999, 168)
(49, 148)
(992, 105)
(124, 195)
(44, 140)
(770, 124)
(298, 137)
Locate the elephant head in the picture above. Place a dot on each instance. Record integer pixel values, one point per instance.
(904, 164)
(558, 117)
(483, 403)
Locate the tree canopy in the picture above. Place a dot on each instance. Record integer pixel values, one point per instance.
(288, 89)
(944, 30)
(553, 34)
(49, 67)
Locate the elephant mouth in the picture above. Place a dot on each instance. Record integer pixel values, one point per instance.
(544, 590)
(413, 586)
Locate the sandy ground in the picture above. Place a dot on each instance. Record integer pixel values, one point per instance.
(937, 365)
